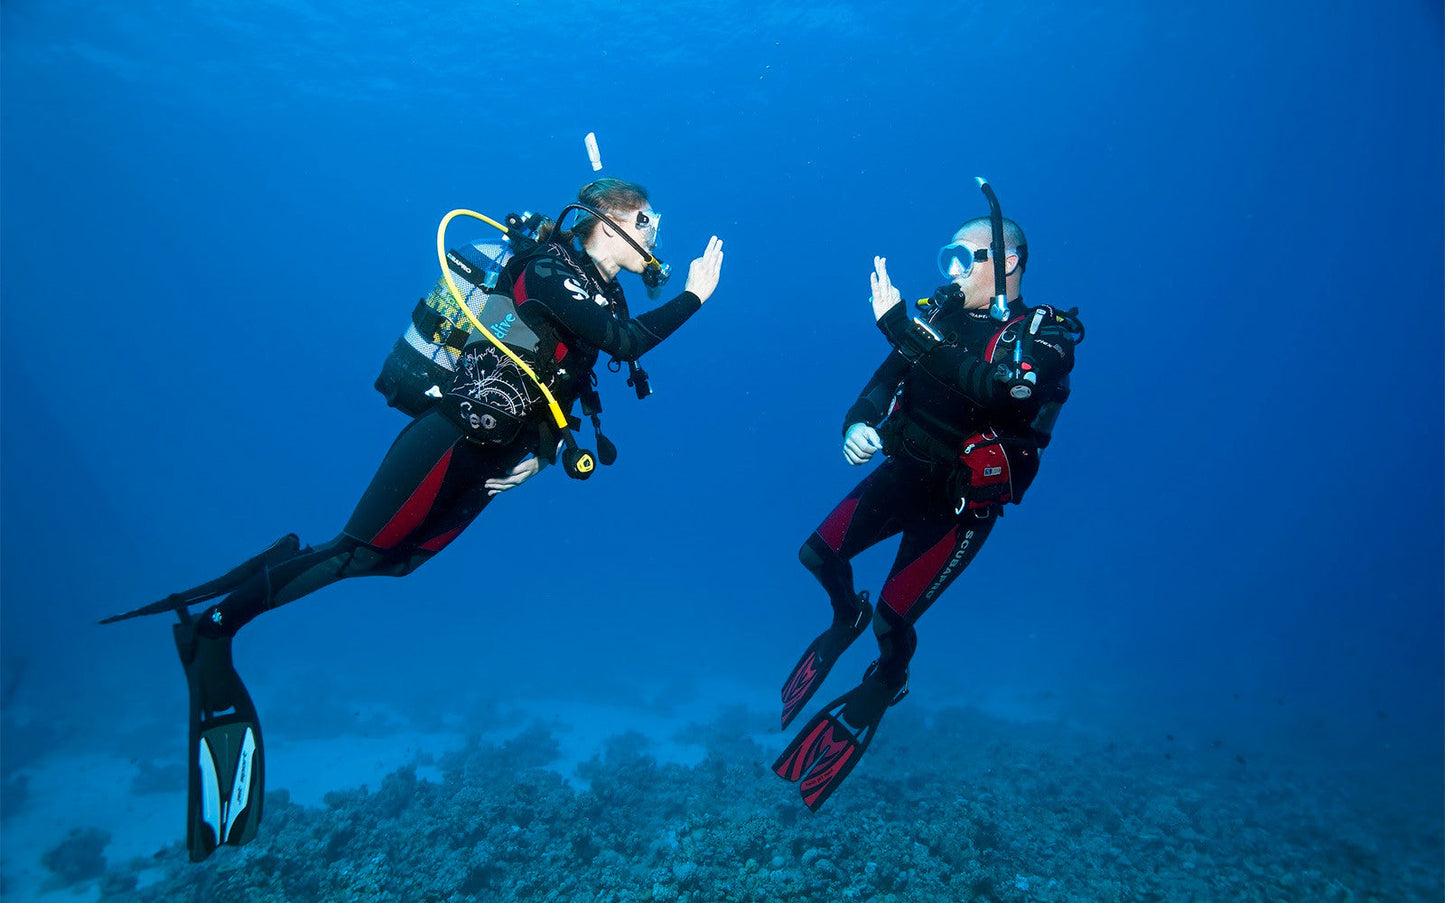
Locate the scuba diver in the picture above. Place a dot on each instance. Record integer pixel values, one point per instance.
(559, 298)
(960, 409)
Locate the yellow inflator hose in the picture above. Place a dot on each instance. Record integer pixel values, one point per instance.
(557, 414)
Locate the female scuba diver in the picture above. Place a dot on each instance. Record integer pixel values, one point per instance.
(439, 474)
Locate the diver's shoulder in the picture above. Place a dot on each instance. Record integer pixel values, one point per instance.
(551, 260)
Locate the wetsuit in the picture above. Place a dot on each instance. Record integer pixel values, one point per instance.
(928, 404)
(430, 485)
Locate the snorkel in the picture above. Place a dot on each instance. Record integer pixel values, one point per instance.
(1020, 378)
(655, 273)
(998, 308)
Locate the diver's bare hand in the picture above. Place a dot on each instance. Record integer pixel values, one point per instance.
(702, 275)
(516, 477)
(885, 296)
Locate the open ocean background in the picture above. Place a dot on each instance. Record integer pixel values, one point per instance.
(1226, 584)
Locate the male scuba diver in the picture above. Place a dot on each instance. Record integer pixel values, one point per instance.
(960, 409)
(562, 293)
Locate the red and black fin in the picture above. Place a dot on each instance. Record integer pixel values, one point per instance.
(812, 669)
(826, 750)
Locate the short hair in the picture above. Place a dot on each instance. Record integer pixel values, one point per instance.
(1013, 236)
(606, 194)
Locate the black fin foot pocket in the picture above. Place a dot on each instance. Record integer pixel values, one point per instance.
(870, 699)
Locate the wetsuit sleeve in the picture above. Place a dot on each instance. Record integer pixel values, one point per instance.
(1050, 354)
(568, 305)
(873, 402)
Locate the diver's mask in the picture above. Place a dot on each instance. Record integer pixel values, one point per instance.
(656, 273)
(648, 222)
(956, 259)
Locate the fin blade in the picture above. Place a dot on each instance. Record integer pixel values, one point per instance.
(818, 659)
(826, 750)
(227, 786)
(841, 750)
(807, 676)
(274, 554)
(245, 782)
(204, 834)
(820, 758)
(804, 751)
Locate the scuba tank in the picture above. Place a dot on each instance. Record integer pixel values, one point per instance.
(423, 362)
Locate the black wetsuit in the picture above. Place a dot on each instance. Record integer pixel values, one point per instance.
(928, 407)
(430, 485)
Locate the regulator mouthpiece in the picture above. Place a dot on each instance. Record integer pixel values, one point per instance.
(655, 276)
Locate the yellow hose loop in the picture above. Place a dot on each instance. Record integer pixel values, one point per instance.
(557, 414)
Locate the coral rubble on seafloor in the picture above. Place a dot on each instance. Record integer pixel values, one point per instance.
(955, 806)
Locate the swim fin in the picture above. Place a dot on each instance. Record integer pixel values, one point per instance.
(824, 752)
(225, 760)
(274, 554)
(812, 669)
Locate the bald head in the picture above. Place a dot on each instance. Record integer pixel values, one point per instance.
(979, 231)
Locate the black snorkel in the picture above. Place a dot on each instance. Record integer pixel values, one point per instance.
(655, 273)
(1020, 378)
(998, 308)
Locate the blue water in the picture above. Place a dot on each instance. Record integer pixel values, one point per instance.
(216, 218)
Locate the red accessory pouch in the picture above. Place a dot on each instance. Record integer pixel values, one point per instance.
(993, 470)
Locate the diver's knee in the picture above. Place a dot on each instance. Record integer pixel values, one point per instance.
(369, 561)
(400, 567)
(815, 554)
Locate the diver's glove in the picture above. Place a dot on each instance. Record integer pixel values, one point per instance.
(913, 338)
(860, 443)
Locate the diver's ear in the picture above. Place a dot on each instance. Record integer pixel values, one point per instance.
(1010, 263)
